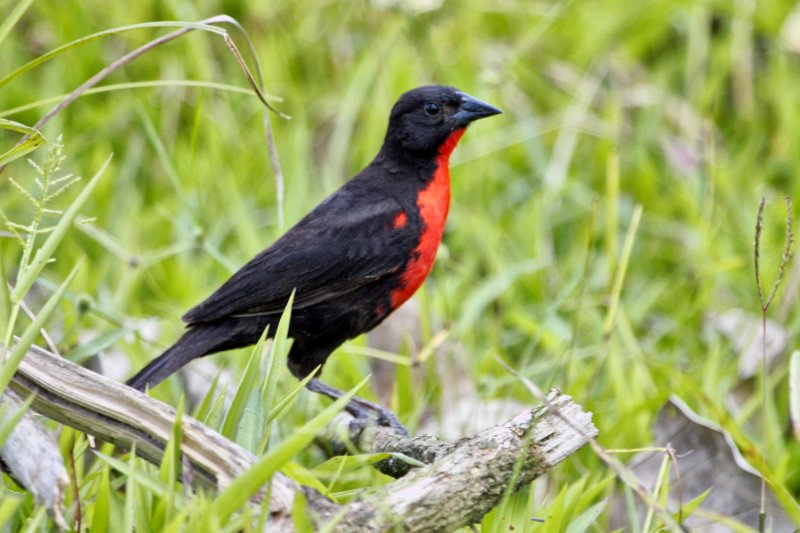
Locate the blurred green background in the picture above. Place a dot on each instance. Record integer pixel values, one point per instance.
(681, 113)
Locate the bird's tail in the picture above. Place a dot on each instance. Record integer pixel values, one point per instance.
(196, 342)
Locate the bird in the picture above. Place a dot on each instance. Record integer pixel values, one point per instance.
(351, 261)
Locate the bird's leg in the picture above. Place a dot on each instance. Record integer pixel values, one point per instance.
(359, 407)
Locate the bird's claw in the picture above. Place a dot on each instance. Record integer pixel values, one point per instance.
(384, 417)
(361, 409)
(387, 418)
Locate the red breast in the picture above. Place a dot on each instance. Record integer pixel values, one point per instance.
(433, 202)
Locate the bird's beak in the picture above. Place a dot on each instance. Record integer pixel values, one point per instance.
(472, 109)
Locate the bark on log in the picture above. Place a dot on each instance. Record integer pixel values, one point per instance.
(466, 479)
(116, 413)
(461, 481)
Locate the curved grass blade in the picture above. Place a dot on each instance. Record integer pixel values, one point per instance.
(151, 84)
(33, 139)
(30, 65)
(185, 27)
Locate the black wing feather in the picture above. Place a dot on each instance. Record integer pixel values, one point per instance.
(344, 243)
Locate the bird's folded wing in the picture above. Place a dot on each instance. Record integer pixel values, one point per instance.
(340, 246)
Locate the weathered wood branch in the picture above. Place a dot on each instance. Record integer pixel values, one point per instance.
(466, 479)
(461, 481)
(116, 413)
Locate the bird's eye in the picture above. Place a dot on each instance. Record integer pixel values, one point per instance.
(431, 109)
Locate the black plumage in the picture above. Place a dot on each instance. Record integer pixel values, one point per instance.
(346, 259)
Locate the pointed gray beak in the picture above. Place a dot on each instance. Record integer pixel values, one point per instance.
(472, 109)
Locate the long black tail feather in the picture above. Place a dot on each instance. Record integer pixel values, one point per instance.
(196, 342)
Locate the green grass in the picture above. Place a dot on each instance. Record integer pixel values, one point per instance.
(594, 226)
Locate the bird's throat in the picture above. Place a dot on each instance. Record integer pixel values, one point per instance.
(433, 202)
(448, 146)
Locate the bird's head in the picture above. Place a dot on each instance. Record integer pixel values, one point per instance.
(423, 119)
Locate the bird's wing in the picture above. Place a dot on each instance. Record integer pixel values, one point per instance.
(346, 242)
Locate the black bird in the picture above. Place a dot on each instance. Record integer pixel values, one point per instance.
(353, 260)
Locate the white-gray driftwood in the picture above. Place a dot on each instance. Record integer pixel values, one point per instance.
(31, 456)
(461, 481)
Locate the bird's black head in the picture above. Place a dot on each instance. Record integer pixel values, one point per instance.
(423, 118)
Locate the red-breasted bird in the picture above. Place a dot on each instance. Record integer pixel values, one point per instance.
(351, 261)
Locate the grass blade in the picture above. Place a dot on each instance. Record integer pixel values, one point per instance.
(585, 520)
(351, 463)
(13, 17)
(246, 485)
(163, 156)
(97, 345)
(152, 84)
(105, 33)
(8, 507)
(233, 418)
(171, 464)
(136, 476)
(34, 139)
(9, 422)
(25, 341)
(491, 289)
(101, 515)
(282, 405)
(663, 478)
(280, 349)
(300, 515)
(690, 507)
(5, 299)
(794, 392)
(622, 268)
(130, 487)
(34, 522)
(202, 411)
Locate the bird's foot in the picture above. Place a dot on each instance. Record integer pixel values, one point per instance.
(361, 409)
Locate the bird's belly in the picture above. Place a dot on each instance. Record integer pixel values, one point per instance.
(433, 203)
